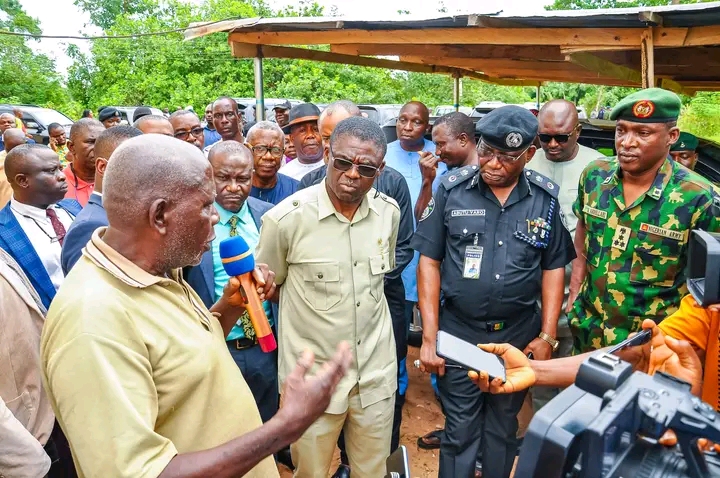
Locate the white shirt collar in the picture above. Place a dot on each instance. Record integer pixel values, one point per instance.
(36, 213)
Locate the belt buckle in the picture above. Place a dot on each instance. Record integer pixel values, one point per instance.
(238, 345)
(495, 326)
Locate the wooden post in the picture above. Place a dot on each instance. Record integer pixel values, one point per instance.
(647, 58)
(259, 91)
(456, 91)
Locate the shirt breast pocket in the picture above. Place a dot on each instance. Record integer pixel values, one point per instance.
(655, 260)
(322, 284)
(379, 266)
(464, 229)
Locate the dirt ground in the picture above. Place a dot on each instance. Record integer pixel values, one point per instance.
(421, 414)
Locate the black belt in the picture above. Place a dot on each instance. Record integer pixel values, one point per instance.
(489, 326)
(242, 344)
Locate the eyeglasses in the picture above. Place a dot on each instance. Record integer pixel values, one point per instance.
(560, 138)
(261, 150)
(183, 135)
(485, 152)
(364, 170)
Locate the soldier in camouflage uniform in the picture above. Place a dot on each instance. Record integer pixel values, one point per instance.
(635, 215)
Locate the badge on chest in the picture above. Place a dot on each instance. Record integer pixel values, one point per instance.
(472, 260)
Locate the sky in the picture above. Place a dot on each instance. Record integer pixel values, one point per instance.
(62, 17)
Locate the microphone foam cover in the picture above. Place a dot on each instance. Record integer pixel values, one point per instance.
(236, 256)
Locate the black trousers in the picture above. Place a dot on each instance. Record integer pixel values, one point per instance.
(474, 421)
(58, 449)
(395, 295)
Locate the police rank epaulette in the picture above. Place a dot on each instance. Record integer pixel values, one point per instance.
(546, 183)
(458, 176)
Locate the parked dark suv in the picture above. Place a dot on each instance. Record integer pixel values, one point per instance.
(37, 119)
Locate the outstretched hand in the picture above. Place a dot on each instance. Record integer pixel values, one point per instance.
(519, 373)
(305, 398)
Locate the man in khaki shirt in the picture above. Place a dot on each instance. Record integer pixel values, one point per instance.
(136, 367)
(331, 245)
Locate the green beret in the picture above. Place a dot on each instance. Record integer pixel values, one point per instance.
(686, 142)
(651, 105)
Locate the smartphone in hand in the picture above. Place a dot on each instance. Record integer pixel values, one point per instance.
(469, 356)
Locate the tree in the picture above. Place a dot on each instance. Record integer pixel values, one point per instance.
(25, 76)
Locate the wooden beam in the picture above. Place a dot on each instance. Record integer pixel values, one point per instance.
(567, 37)
(456, 51)
(481, 64)
(245, 50)
(621, 72)
(651, 18)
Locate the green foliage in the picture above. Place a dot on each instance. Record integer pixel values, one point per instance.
(25, 76)
(701, 116)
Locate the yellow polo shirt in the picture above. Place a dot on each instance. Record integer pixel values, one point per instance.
(137, 370)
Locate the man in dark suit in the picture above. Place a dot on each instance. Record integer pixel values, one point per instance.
(34, 224)
(240, 215)
(93, 214)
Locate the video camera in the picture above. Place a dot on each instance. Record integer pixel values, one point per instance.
(607, 425)
(703, 279)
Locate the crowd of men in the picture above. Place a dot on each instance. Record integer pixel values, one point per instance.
(127, 350)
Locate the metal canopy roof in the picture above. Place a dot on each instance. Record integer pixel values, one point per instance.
(675, 46)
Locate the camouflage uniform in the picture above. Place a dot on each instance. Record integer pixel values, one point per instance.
(636, 255)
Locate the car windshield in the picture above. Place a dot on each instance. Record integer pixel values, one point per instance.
(47, 116)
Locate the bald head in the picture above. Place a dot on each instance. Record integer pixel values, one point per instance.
(226, 148)
(34, 174)
(333, 114)
(158, 193)
(145, 168)
(559, 112)
(558, 130)
(83, 125)
(232, 165)
(154, 124)
(417, 106)
(13, 137)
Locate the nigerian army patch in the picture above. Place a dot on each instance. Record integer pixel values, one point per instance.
(428, 210)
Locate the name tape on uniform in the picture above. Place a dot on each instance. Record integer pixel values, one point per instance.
(595, 212)
(467, 212)
(659, 231)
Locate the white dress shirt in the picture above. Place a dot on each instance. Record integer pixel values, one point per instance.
(38, 228)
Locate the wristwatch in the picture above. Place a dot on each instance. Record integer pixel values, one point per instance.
(551, 340)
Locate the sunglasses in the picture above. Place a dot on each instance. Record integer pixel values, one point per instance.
(560, 138)
(183, 135)
(262, 150)
(363, 170)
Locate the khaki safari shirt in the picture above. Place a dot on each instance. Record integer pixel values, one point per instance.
(137, 370)
(332, 274)
(636, 253)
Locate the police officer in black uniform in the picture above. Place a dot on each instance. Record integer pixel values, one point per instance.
(492, 239)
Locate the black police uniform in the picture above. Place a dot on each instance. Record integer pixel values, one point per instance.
(511, 245)
(393, 184)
